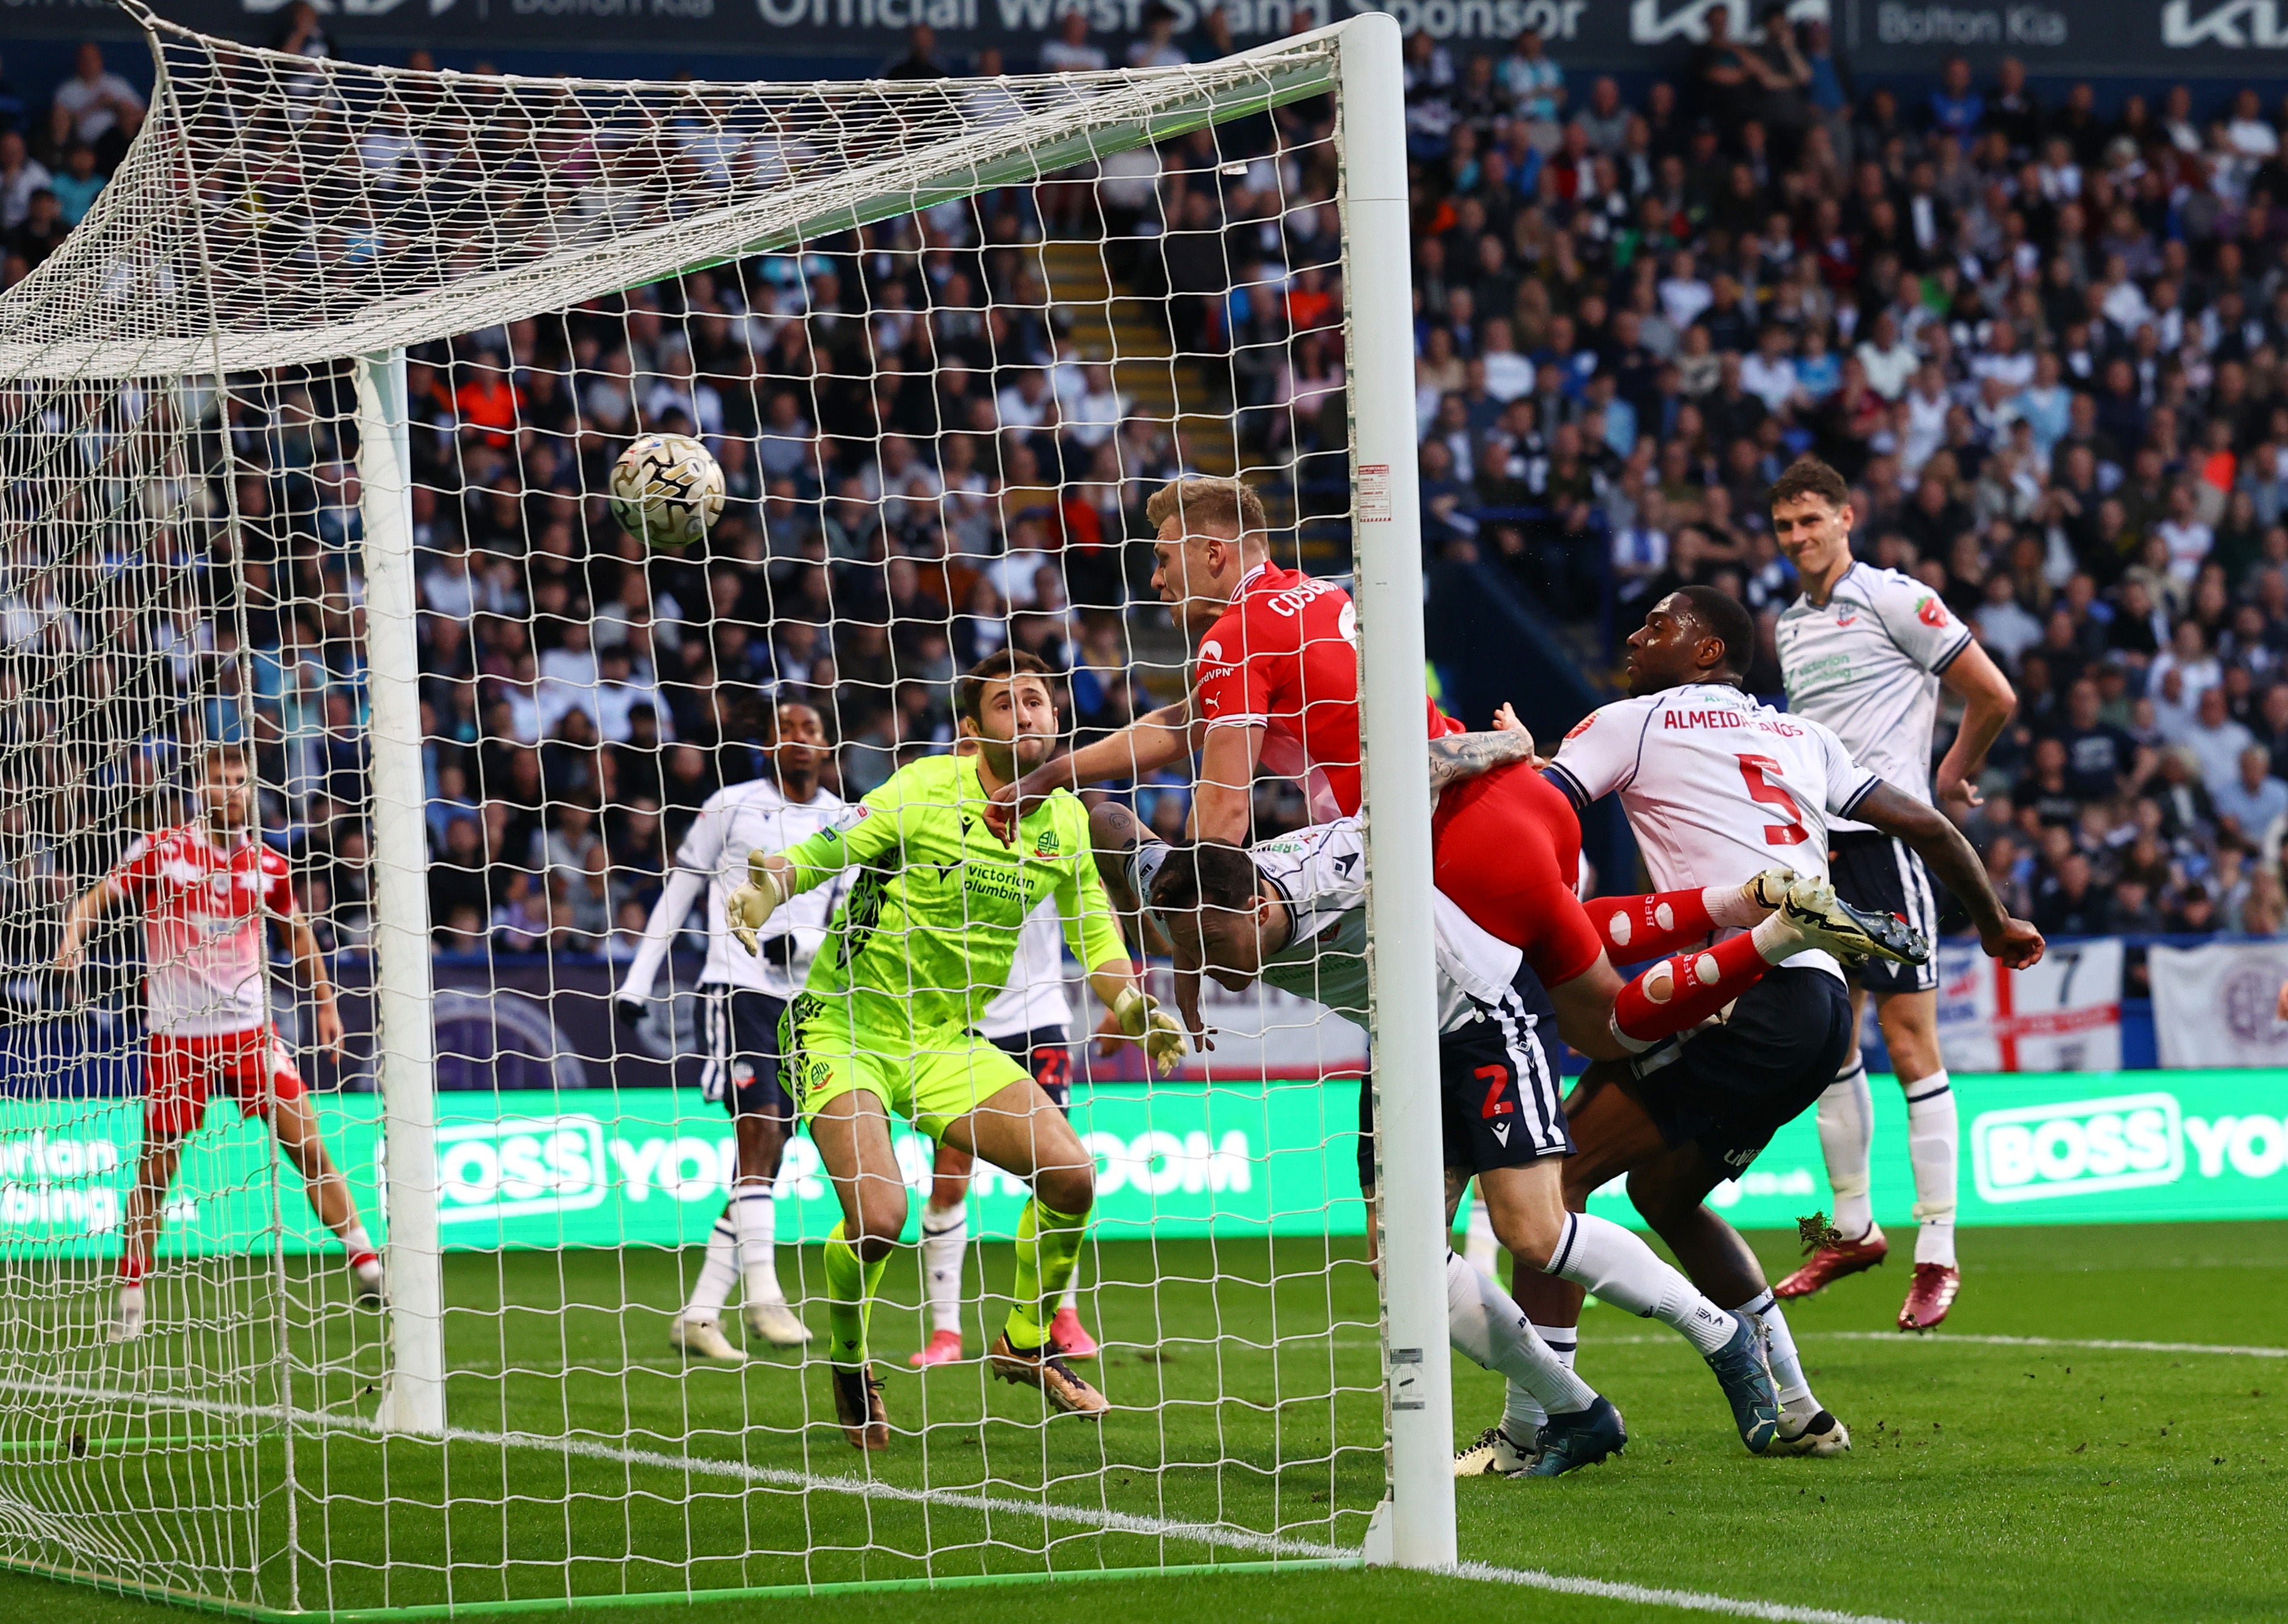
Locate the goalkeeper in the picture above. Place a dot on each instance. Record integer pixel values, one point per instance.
(887, 1018)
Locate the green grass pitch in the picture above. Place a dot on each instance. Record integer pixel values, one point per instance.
(1991, 1480)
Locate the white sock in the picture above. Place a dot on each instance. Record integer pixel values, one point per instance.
(1847, 1134)
(945, 1236)
(1729, 906)
(1779, 1345)
(1072, 1298)
(1600, 1256)
(716, 1273)
(1486, 1326)
(754, 1215)
(1775, 939)
(356, 1243)
(1934, 1139)
(1563, 1340)
(1484, 1250)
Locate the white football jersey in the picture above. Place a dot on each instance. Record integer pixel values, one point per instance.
(1321, 871)
(1034, 995)
(734, 821)
(1867, 665)
(1717, 788)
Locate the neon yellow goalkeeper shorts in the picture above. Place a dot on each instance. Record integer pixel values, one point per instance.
(928, 1077)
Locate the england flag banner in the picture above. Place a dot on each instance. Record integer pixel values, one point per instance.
(2064, 1015)
(2214, 1006)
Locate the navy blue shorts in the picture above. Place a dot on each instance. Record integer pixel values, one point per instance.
(741, 1029)
(1500, 1102)
(1876, 872)
(1729, 1088)
(1047, 1052)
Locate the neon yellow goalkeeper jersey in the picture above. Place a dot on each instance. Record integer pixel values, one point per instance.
(927, 934)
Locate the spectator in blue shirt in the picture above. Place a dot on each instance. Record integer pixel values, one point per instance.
(76, 187)
(1536, 83)
(1955, 107)
(2255, 799)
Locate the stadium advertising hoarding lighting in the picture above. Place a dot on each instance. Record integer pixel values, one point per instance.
(649, 1167)
(2138, 38)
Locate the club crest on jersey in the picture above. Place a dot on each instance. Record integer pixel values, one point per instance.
(1930, 611)
(1047, 844)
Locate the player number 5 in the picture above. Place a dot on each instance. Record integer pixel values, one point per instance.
(1762, 789)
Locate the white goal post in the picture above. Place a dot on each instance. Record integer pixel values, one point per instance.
(270, 418)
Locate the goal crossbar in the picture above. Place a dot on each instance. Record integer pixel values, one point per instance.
(116, 301)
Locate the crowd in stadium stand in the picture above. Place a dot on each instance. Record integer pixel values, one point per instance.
(2045, 345)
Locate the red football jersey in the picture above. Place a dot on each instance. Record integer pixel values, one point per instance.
(202, 911)
(1284, 658)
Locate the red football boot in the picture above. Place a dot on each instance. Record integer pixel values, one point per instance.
(1930, 1296)
(1830, 1264)
(944, 1349)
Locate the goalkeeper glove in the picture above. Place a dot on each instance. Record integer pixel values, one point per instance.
(748, 907)
(1139, 1016)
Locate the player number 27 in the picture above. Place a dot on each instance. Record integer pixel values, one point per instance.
(1763, 787)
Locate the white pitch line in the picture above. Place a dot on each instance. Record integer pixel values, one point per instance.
(1109, 1522)
(1590, 1340)
(2101, 1344)
(1690, 1601)
(591, 1449)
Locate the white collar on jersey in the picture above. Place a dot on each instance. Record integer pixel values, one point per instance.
(204, 833)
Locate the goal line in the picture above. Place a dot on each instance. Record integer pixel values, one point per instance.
(1272, 1553)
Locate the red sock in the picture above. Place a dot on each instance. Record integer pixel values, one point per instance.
(1697, 985)
(1636, 929)
(132, 1266)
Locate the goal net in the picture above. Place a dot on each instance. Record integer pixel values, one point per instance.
(375, 1233)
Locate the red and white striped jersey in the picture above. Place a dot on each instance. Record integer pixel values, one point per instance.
(202, 911)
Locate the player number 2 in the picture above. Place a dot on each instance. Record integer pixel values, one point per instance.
(1762, 788)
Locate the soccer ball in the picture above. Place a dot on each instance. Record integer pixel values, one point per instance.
(666, 491)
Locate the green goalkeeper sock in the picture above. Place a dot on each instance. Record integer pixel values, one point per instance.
(1048, 1248)
(850, 1287)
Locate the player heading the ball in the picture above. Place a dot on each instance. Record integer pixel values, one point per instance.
(887, 1019)
(205, 889)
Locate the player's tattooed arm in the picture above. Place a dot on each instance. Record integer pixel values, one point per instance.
(1934, 838)
(1467, 755)
(1116, 834)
